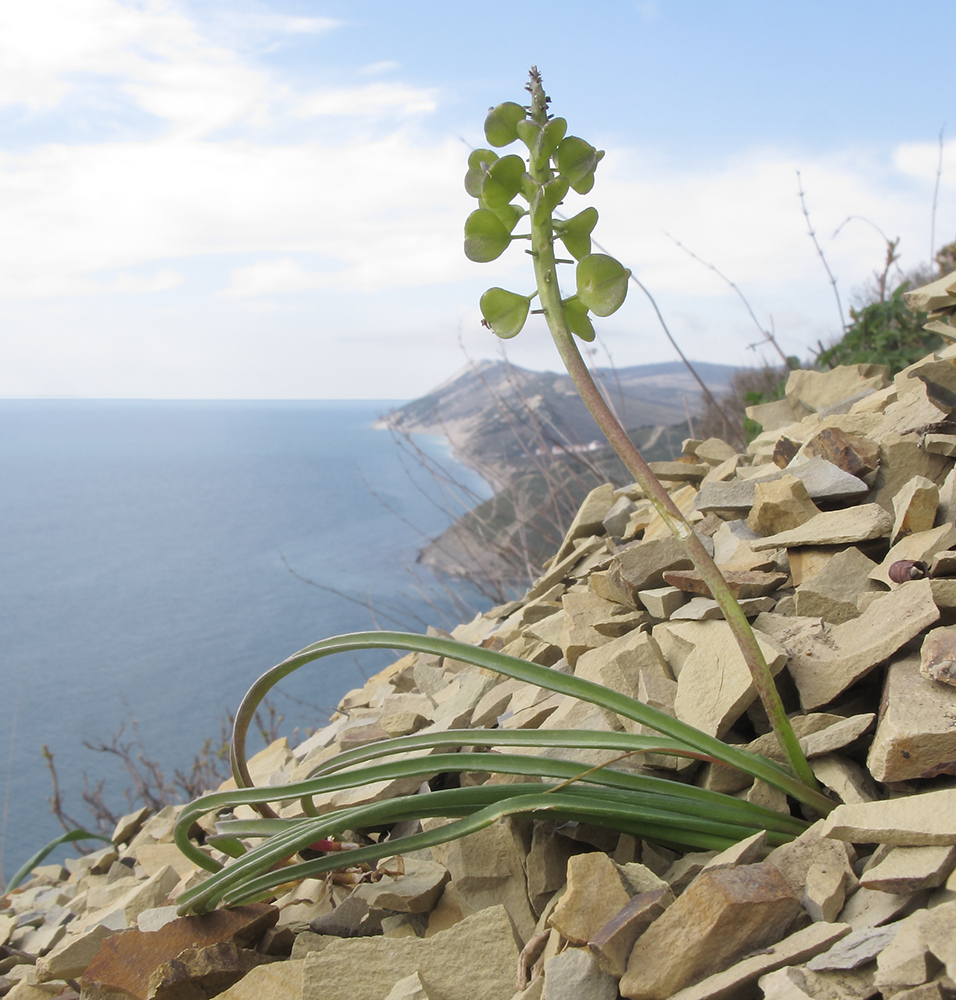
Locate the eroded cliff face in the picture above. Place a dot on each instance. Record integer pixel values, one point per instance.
(836, 529)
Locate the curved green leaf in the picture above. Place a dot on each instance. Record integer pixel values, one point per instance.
(576, 314)
(509, 215)
(65, 838)
(547, 198)
(502, 181)
(479, 161)
(575, 232)
(505, 312)
(501, 123)
(576, 160)
(542, 140)
(486, 236)
(602, 283)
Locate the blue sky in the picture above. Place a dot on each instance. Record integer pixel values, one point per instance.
(264, 200)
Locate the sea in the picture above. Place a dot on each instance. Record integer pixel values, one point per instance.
(157, 556)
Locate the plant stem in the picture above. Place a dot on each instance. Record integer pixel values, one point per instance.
(542, 242)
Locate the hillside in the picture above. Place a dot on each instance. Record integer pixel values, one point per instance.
(497, 416)
(531, 438)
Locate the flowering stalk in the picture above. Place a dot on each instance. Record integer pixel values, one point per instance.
(558, 163)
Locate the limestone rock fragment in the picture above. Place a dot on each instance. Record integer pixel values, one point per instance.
(833, 592)
(275, 981)
(938, 655)
(641, 565)
(722, 916)
(595, 894)
(734, 982)
(823, 390)
(833, 527)
(479, 951)
(914, 507)
(826, 660)
(714, 685)
(916, 734)
(779, 505)
(575, 974)
(909, 869)
(911, 821)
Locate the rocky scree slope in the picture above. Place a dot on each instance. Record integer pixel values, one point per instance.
(837, 530)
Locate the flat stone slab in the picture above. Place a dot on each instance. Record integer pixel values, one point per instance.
(823, 481)
(826, 660)
(910, 821)
(916, 736)
(833, 527)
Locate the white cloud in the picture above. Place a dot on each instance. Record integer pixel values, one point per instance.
(373, 99)
(273, 277)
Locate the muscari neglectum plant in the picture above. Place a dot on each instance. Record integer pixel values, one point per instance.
(273, 850)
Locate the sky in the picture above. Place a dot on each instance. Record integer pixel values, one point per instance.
(216, 199)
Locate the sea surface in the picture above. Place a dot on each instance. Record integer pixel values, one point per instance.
(152, 565)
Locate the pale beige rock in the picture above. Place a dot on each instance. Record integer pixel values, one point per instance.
(640, 565)
(799, 983)
(837, 735)
(479, 951)
(906, 960)
(915, 410)
(661, 602)
(822, 390)
(938, 655)
(745, 852)
(902, 458)
(798, 947)
(488, 868)
(826, 660)
(806, 563)
(780, 505)
(409, 988)
(872, 908)
(825, 891)
(583, 609)
(734, 551)
(774, 415)
(795, 859)
(714, 451)
(916, 734)
(706, 609)
(276, 981)
(69, 959)
(833, 592)
(914, 507)
(833, 527)
(909, 869)
(714, 685)
(913, 820)
(575, 974)
(620, 663)
(845, 777)
(594, 895)
(722, 916)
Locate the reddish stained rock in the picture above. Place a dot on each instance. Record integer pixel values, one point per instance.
(742, 583)
(127, 960)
